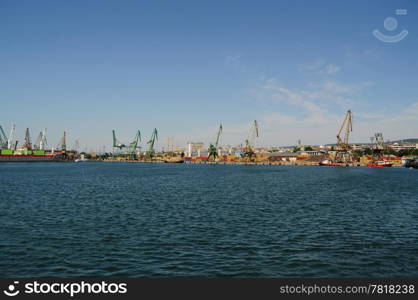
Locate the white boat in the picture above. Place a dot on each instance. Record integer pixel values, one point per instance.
(81, 159)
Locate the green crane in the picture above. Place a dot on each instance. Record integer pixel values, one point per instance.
(250, 141)
(213, 149)
(116, 142)
(134, 145)
(151, 151)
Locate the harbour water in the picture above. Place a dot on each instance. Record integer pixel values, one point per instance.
(167, 220)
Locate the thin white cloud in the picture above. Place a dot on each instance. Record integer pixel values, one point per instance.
(321, 111)
(330, 69)
(319, 66)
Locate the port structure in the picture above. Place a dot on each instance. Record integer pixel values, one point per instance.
(378, 146)
(11, 143)
(213, 147)
(116, 142)
(63, 144)
(3, 139)
(248, 151)
(150, 152)
(41, 142)
(343, 148)
(7, 143)
(131, 148)
(28, 143)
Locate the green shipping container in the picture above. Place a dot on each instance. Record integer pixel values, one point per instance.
(39, 152)
(7, 152)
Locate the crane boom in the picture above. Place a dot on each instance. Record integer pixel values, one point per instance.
(134, 145)
(43, 142)
(250, 141)
(218, 135)
(348, 126)
(116, 143)
(11, 137)
(28, 143)
(151, 142)
(38, 140)
(213, 147)
(3, 139)
(343, 147)
(378, 147)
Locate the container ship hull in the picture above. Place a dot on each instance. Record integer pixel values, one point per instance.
(30, 158)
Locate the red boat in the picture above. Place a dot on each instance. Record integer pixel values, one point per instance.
(380, 164)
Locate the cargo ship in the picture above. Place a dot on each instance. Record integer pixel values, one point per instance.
(29, 152)
(29, 156)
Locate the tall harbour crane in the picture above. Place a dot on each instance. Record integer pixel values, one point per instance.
(63, 144)
(150, 153)
(116, 142)
(250, 141)
(378, 147)
(133, 146)
(40, 143)
(343, 148)
(28, 143)
(213, 147)
(3, 139)
(10, 141)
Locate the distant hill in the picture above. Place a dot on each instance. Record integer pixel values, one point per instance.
(405, 141)
(412, 141)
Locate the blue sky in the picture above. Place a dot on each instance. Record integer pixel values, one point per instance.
(88, 67)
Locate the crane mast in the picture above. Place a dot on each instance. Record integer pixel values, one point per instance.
(250, 141)
(379, 147)
(343, 148)
(11, 138)
(40, 143)
(151, 151)
(3, 139)
(116, 142)
(28, 144)
(213, 147)
(43, 142)
(64, 144)
(134, 145)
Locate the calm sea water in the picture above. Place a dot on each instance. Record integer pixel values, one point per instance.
(165, 220)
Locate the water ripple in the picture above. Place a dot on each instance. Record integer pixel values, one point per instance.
(159, 220)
